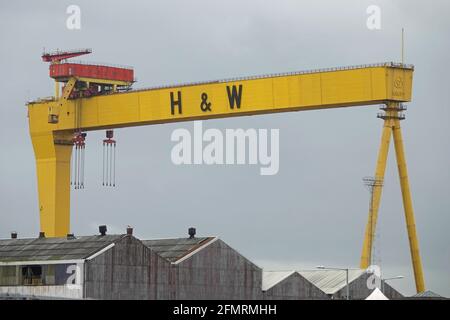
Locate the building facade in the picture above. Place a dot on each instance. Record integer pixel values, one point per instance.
(361, 283)
(207, 268)
(124, 267)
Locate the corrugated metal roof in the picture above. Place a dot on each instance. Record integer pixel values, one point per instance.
(175, 249)
(272, 278)
(331, 281)
(44, 249)
(427, 294)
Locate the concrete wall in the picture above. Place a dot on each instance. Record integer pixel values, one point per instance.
(217, 272)
(129, 270)
(294, 287)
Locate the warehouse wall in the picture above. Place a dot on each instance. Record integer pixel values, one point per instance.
(217, 272)
(294, 287)
(129, 270)
(359, 290)
(42, 292)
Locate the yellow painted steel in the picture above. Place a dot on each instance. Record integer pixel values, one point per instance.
(322, 89)
(392, 127)
(56, 84)
(407, 204)
(379, 174)
(55, 108)
(105, 81)
(53, 176)
(56, 90)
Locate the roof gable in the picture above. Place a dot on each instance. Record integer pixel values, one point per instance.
(272, 278)
(331, 281)
(176, 249)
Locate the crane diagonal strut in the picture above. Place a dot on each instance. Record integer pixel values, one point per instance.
(386, 83)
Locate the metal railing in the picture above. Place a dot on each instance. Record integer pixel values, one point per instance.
(57, 51)
(283, 74)
(99, 64)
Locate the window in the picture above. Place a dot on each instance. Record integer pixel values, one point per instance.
(36, 275)
(8, 276)
(49, 274)
(32, 275)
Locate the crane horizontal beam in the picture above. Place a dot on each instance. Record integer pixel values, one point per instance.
(320, 89)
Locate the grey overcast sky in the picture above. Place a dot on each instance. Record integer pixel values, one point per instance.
(315, 209)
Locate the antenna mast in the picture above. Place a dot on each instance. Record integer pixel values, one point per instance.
(403, 46)
(371, 183)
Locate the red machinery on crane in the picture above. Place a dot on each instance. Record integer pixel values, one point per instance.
(92, 79)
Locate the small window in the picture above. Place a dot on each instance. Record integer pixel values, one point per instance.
(32, 275)
(49, 275)
(8, 276)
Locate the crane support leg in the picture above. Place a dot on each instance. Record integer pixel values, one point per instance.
(379, 174)
(407, 204)
(53, 155)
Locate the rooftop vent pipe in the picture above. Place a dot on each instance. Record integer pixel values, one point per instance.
(70, 236)
(129, 231)
(41, 234)
(102, 230)
(13, 235)
(191, 232)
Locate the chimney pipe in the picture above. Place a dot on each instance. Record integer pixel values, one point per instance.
(191, 232)
(102, 229)
(41, 234)
(129, 231)
(14, 235)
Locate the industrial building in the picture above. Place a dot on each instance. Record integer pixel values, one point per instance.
(124, 267)
(207, 268)
(99, 267)
(333, 283)
(289, 285)
(428, 295)
(107, 266)
(320, 284)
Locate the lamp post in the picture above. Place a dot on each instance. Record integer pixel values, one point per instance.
(346, 278)
(383, 280)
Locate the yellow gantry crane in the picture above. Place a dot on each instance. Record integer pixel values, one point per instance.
(93, 100)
